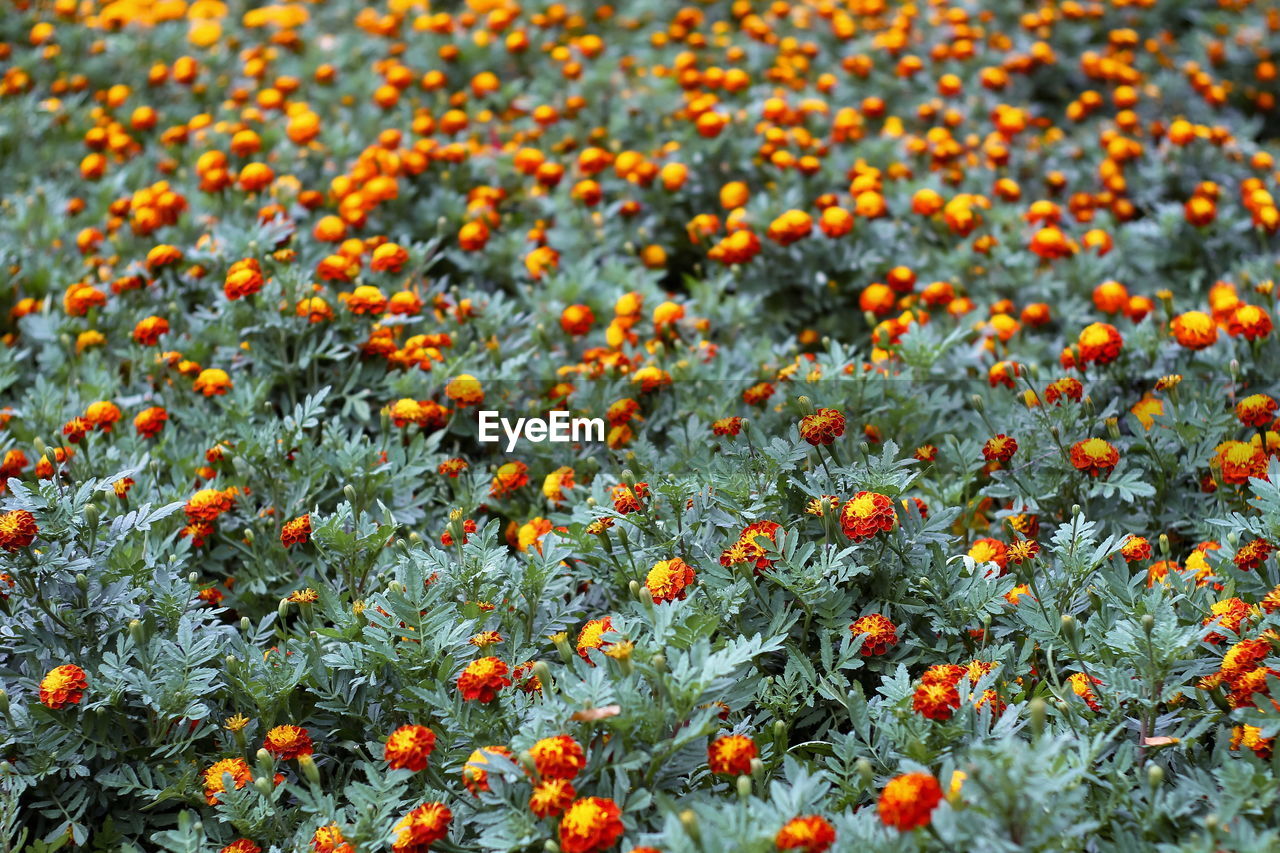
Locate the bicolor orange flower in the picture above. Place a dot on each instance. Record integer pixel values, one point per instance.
(62, 686)
(590, 825)
(1099, 343)
(408, 748)
(422, 827)
(907, 801)
(731, 755)
(288, 742)
(551, 797)
(807, 833)
(297, 531)
(867, 514)
(822, 427)
(237, 768)
(1094, 456)
(668, 580)
(474, 775)
(18, 530)
(482, 679)
(881, 634)
(558, 757)
(1194, 330)
(592, 636)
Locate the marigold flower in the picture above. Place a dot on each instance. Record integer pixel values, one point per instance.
(628, 499)
(577, 319)
(465, 390)
(558, 757)
(207, 504)
(727, 426)
(1194, 330)
(62, 686)
(408, 748)
(1230, 614)
(590, 825)
(1250, 737)
(881, 633)
(907, 801)
(808, 833)
(509, 477)
(149, 422)
(422, 827)
(731, 755)
(474, 776)
(1000, 448)
(297, 531)
(1250, 556)
(287, 742)
(551, 797)
(936, 700)
(239, 771)
(988, 550)
(1082, 686)
(1094, 456)
(482, 679)
(1100, 343)
(668, 580)
(244, 278)
(592, 636)
(1249, 322)
(212, 381)
(822, 427)
(328, 839)
(18, 530)
(1256, 410)
(867, 514)
(1240, 461)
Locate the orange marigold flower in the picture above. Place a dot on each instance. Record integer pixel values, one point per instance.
(668, 579)
(244, 278)
(297, 531)
(241, 845)
(482, 679)
(422, 827)
(1230, 614)
(1194, 330)
(287, 742)
(328, 839)
(102, 414)
(1250, 556)
(866, 514)
(809, 833)
(727, 426)
(592, 636)
(1100, 342)
(465, 390)
(18, 529)
(558, 757)
(731, 755)
(1000, 448)
(1067, 387)
(988, 550)
(590, 825)
(1094, 456)
(758, 394)
(1250, 322)
(389, 257)
(1082, 686)
(149, 329)
(62, 686)
(150, 421)
(1251, 737)
(208, 504)
(750, 547)
(474, 775)
(907, 801)
(577, 319)
(937, 700)
(550, 797)
(628, 499)
(408, 748)
(212, 381)
(237, 768)
(1256, 410)
(881, 633)
(1135, 548)
(822, 427)
(452, 467)
(509, 477)
(1240, 461)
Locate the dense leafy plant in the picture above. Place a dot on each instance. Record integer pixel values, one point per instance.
(938, 496)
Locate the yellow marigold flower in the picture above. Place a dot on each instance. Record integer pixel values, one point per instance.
(668, 580)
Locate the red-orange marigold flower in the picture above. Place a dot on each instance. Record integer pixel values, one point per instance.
(558, 757)
(881, 633)
(669, 579)
(237, 768)
(287, 742)
(822, 427)
(731, 755)
(590, 825)
(422, 827)
(866, 514)
(809, 833)
(551, 797)
(297, 531)
(62, 686)
(1094, 456)
(907, 801)
(408, 748)
(18, 529)
(482, 679)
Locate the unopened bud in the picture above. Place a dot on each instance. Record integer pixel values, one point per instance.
(1039, 714)
(689, 820)
(350, 493)
(977, 402)
(866, 773)
(636, 590)
(92, 515)
(137, 632)
(744, 787)
(1148, 623)
(309, 769)
(283, 609)
(263, 784)
(4, 701)
(82, 582)
(1155, 775)
(659, 663)
(245, 624)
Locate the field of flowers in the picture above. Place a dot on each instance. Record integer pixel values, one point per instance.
(939, 489)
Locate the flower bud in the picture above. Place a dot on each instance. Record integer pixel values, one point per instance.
(866, 773)
(4, 701)
(82, 582)
(282, 610)
(1039, 714)
(1148, 623)
(193, 578)
(245, 624)
(309, 769)
(1155, 775)
(637, 591)
(137, 632)
(805, 404)
(744, 787)
(659, 663)
(1113, 429)
(561, 640)
(689, 820)
(349, 491)
(263, 784)
(92, 515)
(979, 405)
(1068, 623)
